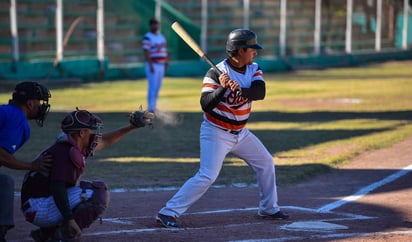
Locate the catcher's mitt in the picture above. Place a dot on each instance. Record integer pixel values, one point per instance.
(140, 118)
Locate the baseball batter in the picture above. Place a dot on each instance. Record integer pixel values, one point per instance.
(154, 46)
(226, 100)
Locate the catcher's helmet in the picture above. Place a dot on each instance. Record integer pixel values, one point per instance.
(81, 119)
(241, 38)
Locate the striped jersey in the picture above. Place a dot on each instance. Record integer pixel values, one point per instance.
(232, 112)
(155, 44)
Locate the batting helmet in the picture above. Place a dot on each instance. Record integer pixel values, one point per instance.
(241, 38)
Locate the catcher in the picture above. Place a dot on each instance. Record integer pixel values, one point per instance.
(56, 201)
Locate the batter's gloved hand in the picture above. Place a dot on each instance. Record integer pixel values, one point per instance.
(140, 118)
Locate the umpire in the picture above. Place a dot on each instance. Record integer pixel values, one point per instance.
(30, 101)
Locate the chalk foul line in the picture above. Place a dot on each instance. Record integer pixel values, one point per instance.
(365, 190)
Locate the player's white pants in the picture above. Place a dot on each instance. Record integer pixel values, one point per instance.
(44, 209)
(215, 144)
(154, 82)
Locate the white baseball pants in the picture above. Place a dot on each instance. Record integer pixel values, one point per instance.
(215, 144)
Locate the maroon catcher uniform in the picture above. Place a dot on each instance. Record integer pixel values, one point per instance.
(56, 201)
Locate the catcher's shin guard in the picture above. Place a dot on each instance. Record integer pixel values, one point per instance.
(90, 210)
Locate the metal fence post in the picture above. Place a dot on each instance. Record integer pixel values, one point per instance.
(317, 33)
(282, 34)
(13, 30)
(100, 31)
(348, 35)
(405, 25)
(378, 25)
(59, 30)
(246, 14)
(203, 28)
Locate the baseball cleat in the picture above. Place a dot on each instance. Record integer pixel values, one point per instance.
(276, 216)
(42, 234)
(38, 236)
(167, 221)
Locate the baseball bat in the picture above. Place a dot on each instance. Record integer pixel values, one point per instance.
(192, 44)
(196, 48)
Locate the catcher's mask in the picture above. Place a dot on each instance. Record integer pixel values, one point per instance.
(241, 38)
(82, 119)
(32, 90)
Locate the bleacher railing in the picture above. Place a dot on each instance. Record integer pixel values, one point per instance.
(42, 29)
(311, 27)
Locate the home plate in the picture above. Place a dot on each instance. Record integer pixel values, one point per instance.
(313, 225)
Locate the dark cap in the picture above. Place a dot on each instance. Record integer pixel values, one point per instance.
(153, 21)
(30, 90)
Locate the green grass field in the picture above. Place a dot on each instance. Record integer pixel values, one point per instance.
(311, 121)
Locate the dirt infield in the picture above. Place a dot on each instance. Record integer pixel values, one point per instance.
(368, 199)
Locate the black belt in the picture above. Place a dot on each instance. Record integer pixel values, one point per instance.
(235, 132)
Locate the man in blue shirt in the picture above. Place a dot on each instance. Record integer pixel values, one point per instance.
(30, 101)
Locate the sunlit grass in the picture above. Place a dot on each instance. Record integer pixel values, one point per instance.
(311, 121)
(357, 124)
(326, 153)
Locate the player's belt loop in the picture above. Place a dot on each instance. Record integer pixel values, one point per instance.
(235, 132)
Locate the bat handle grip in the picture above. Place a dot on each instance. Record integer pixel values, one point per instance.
(238, 92)
(207, 59)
